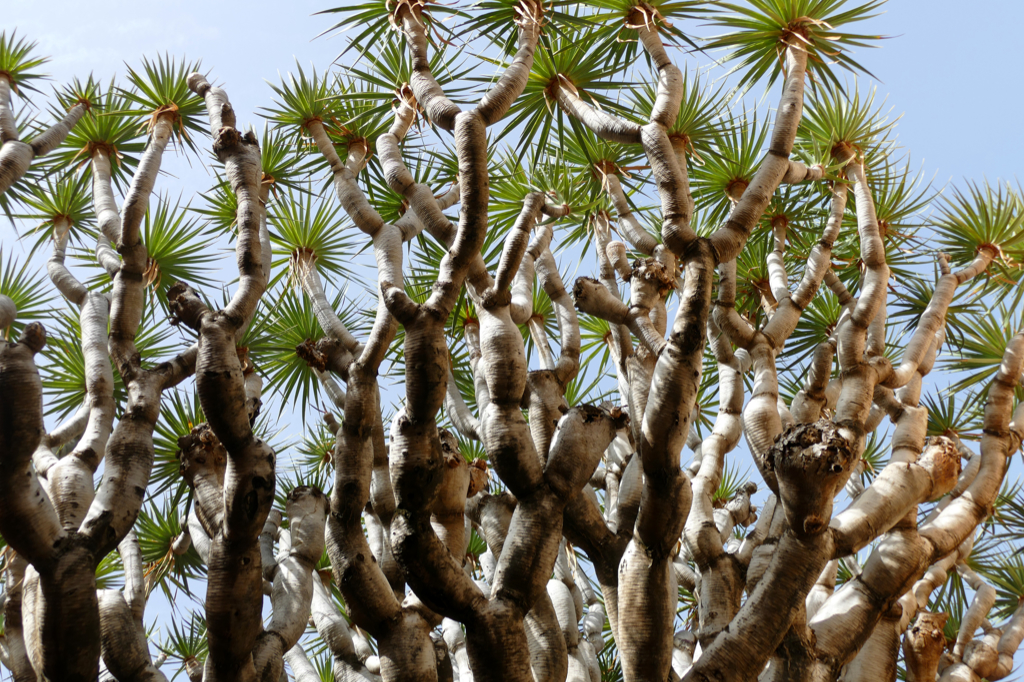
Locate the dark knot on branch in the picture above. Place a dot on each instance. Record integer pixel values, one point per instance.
(810, 462)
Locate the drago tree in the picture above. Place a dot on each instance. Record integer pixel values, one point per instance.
(544, 493)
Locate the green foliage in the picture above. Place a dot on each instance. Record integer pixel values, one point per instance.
(177, 246)
(315, 477)
(983, 217)
(566, 59)
(950, 415)
(179, 414)
(17, 62)
(374, 18)
(760, 31)
(63, 376)
(158, 528)
(381, 75)
(701, 110)
(109, 572)
(584, 389)
(187, 644)
(752, 291)
(105, 127)
(596, 340)
(738, 144)
(29, 291)
(588, 159)
(983, 346)
(301, 100)
(159, 88)
(282, 167)
(874, 456)
(1008, 579)
(307, 235)
(731, 482)
(383, 72)
(285, 322)
(316, 450)
(842, 127)
(559, 178)
(76, 92)
(621, 18)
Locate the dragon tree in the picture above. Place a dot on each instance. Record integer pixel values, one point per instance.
(562, 342)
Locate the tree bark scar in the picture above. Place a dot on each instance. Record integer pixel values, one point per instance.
(809, 460)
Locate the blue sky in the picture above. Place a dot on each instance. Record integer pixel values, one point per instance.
(952, 83)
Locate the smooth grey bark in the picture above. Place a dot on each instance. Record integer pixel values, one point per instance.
(62, 617)
(16, 156)
(233, 506)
